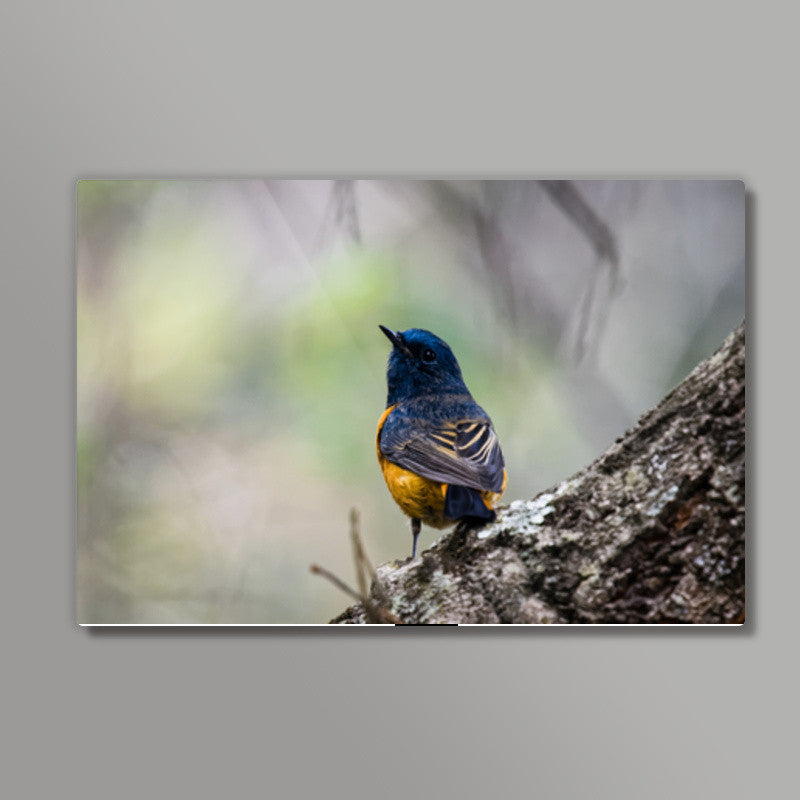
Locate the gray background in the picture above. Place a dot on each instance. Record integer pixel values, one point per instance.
(148, 89)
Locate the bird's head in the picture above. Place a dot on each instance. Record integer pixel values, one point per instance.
(420, 364)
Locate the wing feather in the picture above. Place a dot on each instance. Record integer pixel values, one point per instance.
(465, 452)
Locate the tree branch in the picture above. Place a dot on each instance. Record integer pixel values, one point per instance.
(651, 532)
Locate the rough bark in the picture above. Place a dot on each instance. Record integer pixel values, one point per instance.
(651, 532)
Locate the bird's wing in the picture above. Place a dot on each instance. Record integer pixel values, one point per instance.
(465, 452)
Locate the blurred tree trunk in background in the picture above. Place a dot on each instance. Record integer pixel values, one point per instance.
(651, 532)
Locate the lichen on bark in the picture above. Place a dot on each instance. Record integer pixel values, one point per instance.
(651, 532)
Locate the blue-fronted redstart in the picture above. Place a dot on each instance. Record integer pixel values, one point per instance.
(437, 448)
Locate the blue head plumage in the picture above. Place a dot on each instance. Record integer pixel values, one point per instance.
(420, 364)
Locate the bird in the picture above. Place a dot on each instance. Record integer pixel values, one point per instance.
(437, 448)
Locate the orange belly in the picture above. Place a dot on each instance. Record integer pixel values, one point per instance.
(418, 497)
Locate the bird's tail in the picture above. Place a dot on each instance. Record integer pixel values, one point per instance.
(461, 502)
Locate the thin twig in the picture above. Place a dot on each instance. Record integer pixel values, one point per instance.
(316, 569)
(358, 544)
(358, 553)
(374, 613)
(566, 195)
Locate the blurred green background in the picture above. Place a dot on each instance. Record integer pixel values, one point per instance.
(230, 371)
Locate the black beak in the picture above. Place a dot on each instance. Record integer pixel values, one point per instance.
(394, 338)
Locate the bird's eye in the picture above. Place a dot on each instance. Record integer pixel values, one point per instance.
(428, 356)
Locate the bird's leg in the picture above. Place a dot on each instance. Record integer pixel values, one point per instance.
(415, 528)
